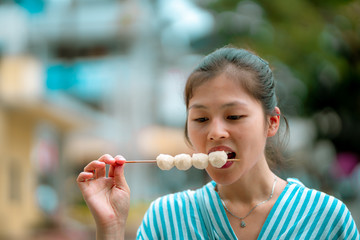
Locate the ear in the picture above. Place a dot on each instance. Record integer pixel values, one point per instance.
(274, 123)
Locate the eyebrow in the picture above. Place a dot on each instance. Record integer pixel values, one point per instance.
(226, 105)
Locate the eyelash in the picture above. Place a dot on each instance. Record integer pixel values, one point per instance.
(201, 120)
(234, 117)
(231, 117)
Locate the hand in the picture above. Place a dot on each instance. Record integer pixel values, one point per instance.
(108, 198)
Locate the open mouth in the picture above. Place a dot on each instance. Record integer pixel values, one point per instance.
(231, 155)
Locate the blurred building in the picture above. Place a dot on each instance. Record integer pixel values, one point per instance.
(32, 133)
(79, 79)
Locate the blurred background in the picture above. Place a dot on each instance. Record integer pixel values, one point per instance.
(80, 78)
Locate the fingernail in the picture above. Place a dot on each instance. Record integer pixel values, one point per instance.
(120, 161)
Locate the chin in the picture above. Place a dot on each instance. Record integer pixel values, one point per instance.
(223, 179)
(223, 176)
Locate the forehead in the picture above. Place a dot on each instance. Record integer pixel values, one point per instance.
(223, 89)
(242, 76)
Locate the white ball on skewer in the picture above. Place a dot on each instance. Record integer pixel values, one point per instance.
(165, 162)
(218, 158)
(183, 161)
(200, 160)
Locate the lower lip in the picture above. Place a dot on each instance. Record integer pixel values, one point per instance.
(227, 165)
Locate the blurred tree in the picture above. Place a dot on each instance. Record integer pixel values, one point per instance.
(317, 41)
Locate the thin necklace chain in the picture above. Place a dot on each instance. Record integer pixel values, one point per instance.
(243, 224)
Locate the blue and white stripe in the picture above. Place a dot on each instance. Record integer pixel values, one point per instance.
(299, 213)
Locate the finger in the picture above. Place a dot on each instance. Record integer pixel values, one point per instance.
(84, 176)
(119, 178)
(119, 160)
(94, 165)
(111, 170)
(100, 165)
(107, 158)
(100, 172)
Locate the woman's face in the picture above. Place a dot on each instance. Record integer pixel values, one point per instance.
(223, 116)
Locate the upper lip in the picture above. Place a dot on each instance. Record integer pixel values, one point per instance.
(221, 148)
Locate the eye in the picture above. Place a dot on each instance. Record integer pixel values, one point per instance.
(234, 117)
(202, 119)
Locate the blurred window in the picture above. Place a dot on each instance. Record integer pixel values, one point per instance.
(85, 80)
(14, 181)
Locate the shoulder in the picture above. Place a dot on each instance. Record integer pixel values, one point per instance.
(179, 203)
(176, 204)
(320, 208)
(322, 200)
(302, 213)
(172, 199)
(297, 187)
(179, 198)
(174, 216)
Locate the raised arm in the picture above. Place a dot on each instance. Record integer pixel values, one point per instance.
(108, 197)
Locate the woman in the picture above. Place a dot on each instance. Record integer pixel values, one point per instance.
(232, 107)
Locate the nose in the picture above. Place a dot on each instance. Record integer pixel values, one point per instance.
(217, 130)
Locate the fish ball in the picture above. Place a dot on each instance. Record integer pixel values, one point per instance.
(165, 162)
(218, 158)
(200, 160)
(183, 161)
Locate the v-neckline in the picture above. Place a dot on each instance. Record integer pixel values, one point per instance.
(268, 218)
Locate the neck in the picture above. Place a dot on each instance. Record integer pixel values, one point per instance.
(253, 187)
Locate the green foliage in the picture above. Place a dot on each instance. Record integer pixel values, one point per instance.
(317, 41)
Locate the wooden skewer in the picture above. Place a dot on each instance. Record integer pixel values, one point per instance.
(234, 160)
(141, 161)
(154, 161)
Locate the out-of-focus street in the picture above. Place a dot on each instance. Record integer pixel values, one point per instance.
(81, 78)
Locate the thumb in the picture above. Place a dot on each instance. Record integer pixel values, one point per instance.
(119, 176)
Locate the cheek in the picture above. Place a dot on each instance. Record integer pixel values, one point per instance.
(253, 132)
(191, 133)
(195, 136)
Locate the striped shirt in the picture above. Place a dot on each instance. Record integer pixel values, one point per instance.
(299, 213)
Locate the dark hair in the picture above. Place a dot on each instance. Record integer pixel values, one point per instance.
(232, 61)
